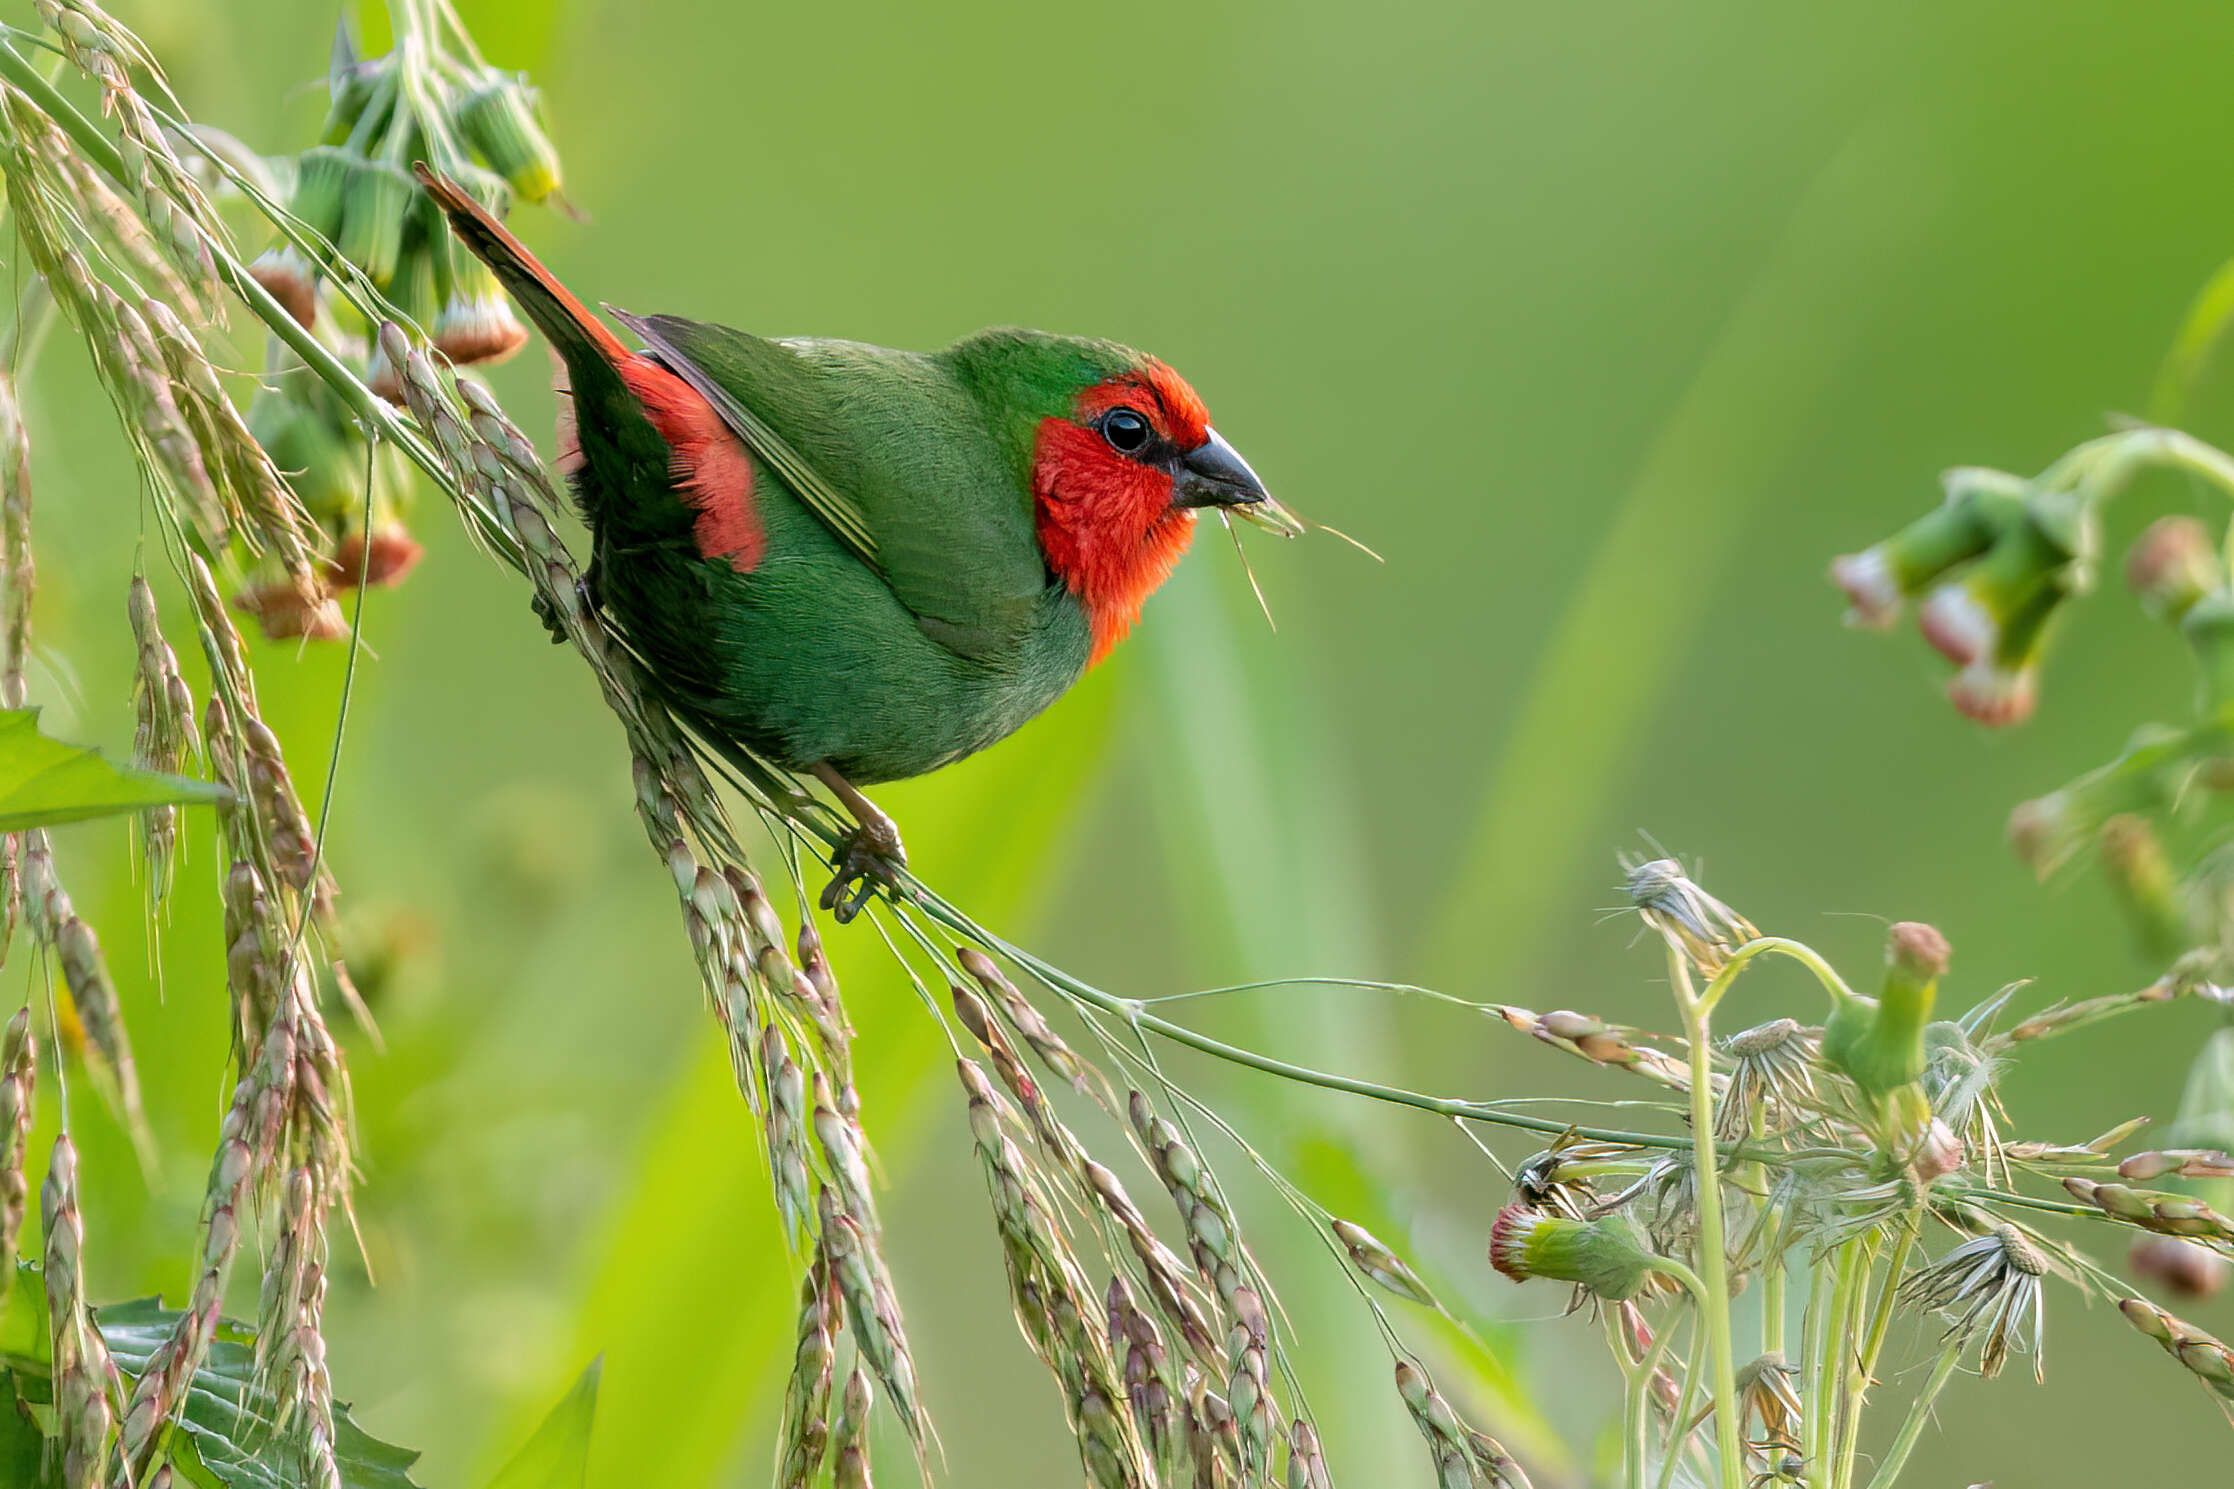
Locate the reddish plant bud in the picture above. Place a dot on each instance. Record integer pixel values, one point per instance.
(282, 614)
(393, 554)
(2171, 565)
(2181, 1267)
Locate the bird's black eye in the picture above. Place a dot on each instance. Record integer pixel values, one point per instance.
(1126, 430)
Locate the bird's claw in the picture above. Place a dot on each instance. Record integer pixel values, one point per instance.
(546, 612)
(869, 858)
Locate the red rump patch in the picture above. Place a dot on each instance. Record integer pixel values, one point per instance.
(1106, 523)
(708, 464)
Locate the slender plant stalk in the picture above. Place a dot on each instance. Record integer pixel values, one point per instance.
(1714, 1261)
(1919, 1413)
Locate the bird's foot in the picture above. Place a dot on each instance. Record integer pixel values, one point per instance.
(870, 857)
(585, 595)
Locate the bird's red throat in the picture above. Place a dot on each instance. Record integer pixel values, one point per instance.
(1106, 523)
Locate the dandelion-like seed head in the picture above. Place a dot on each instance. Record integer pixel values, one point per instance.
(1772, 1080)
(1989, 1287)
(1695, 923)
(1769, 1399)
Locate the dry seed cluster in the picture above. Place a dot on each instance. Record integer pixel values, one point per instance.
(284, 1141)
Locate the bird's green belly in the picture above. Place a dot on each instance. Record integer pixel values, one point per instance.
(810, 658)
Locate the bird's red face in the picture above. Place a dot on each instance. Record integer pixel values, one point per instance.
(1117, 484)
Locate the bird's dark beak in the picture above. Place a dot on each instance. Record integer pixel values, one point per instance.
(1213, 474)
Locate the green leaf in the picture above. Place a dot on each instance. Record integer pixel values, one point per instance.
(24, 1461)
(228, 1421)
(44, 781)
(558, 1455)
(225, 1438)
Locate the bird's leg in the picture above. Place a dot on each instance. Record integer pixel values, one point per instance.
(870, 855)
(585, 593)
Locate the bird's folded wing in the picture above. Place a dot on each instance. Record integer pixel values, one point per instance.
(885, 454)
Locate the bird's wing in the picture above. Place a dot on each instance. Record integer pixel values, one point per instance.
(891, 455)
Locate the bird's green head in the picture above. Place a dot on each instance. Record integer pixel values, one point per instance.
(1119, 455)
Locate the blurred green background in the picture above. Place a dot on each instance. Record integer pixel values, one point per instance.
(1606, 324)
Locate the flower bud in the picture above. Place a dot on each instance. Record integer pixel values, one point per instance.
(1979, 504)
(2208, 625)
(2044, 548)
(392, 554)
(319, 458)
(473, 321)
(2171, 565)
(361, 97)
(1606, 1257)
(2133, 861)
(321, 179)
(2002, 686)
(375, 210)
(498, 118)
(1880, 1045)
(283, 615)
(2184, 1268)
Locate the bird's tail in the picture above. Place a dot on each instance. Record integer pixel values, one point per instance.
(621, 412)
(574, 332)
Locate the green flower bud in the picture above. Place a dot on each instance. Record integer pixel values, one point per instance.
(321, 184)
(2208, 625)
(1879, 1045)
(1608, 1257)
(2147, 890)
(322, 179)
(2041, 551)
(374, 214)
(498, 118)
(1980, 504)
(361, 98)
(321, 461)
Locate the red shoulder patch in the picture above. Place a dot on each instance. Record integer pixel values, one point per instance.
(709, 465)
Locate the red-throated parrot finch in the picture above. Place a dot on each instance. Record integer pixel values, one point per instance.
(866, 563)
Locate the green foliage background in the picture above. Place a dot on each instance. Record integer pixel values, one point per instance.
(1606, 324)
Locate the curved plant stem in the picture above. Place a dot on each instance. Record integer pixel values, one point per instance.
(1798, 951)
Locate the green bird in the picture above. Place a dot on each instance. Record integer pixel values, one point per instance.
(863, 563)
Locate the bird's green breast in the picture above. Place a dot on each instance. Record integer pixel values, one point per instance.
(811, 657)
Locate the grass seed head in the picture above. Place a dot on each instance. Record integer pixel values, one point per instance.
(1306, 1466)
(19, 1053)
(85, 972)
(1381, 1265)
(84, 1376)
(2205, 1356)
